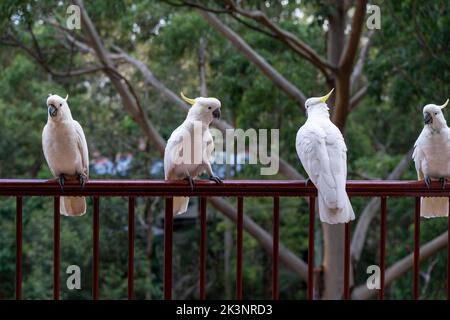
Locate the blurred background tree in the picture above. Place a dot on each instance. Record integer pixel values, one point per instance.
(383, 78)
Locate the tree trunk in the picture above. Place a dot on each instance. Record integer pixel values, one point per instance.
(341, 111)
(333, 235)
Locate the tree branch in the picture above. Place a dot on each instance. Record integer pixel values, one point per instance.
(35, 43)
(285, 168)
(290, 260)
(195, 5)
(251, 26)
(358, 69)
(349, 52)
(43, 63)
(123, 87)
(201, 67)
(286, 37)
(402, 266)
(357, 97)
(371, 209)
(281, 82)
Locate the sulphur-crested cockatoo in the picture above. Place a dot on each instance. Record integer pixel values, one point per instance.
(190, 147)
(432, 158)
(323, 153)
(66, 151)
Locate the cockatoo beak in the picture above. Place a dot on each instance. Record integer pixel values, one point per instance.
(427, 118)
(444, 105)
(325, 98)
(216, 113)
(52, 110)
(188, 100)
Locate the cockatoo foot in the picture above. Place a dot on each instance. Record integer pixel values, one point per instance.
(191, 182)
(61, 180)
(307, 181)
(82, 178)
(216, 179)
(427, 181)
(443, 182)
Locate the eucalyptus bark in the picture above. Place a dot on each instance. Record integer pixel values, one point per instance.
(333, 235)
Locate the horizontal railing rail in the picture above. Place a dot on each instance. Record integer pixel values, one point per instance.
(203, 189)
(253, 188)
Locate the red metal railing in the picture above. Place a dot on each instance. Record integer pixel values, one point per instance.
(204, 189)
(56, 248)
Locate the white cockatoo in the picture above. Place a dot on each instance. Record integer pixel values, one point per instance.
(432, 158)
(66, 151)
(323, 153)
(190, 147)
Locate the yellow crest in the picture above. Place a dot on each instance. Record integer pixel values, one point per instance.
(325, 97)
(188, 100)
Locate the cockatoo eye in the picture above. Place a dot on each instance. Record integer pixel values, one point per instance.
(209, 108)
(60, 104)
(435, 113)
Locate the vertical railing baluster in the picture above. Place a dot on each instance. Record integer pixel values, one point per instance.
(168, 234)
(347, 261)
(448, 251)
(18, 248)
(202, 248)
(275, 246)
(239, 245)
(96, 248)
(382, 247)
(416, 249)
(131, 223)
(56, 247)
(312, 215)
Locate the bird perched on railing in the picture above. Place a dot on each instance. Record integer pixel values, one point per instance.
(432, 158)
(66, 151)
(323, 153)
(189, 150)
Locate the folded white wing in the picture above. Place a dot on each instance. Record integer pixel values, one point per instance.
(323, 155)
(172, 152)
(82, 146)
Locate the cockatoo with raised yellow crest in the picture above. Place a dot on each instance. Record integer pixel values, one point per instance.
(66, 151)
(323, 153)
(432, 158)
(189, 150)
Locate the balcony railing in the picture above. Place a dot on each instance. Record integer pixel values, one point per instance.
(203, 190)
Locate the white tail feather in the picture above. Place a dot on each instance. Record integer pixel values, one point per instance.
(72, 206)
(336, 215)
(180, 205)
(434, 207)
